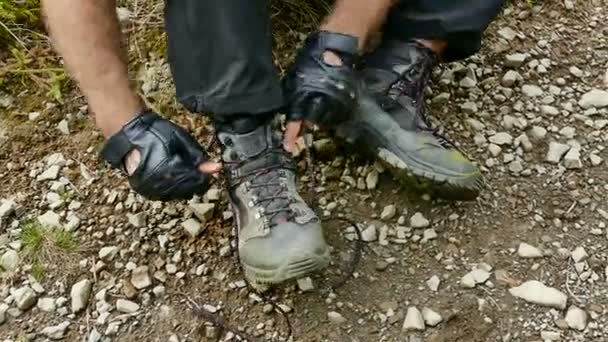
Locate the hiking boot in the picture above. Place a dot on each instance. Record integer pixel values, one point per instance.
(391, 123)
(279, 236)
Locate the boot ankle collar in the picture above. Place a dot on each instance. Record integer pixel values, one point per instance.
(238, 147)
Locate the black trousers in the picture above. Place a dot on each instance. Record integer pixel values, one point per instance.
(220, 50)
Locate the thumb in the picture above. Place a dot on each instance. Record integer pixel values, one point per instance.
(292, 132)
(210, 167)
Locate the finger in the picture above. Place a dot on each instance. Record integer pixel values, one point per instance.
(291, 135)
(132, 161)
(210, 167)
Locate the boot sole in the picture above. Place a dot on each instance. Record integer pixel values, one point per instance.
(461, 187)
(295, 268)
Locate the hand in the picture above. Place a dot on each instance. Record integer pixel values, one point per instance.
(162, 160)
(320, 87)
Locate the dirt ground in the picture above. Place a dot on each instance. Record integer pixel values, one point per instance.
(555, 206)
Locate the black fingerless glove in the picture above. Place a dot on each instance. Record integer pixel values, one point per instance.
(317, 91)
(168, 168)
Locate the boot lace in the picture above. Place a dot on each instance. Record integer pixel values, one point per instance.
(412, 84)
(268, 186)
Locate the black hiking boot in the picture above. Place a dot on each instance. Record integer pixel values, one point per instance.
(279, 236)
(391, 124)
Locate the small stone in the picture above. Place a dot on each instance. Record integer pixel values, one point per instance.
(468, 81)
(159, 291)
(480, 275)
(516, 167)
(413, 320)
(107, 254)
(579, 254)
(371, 180)
(140, 277)
(510, 78)
(203, 211)
(476, 124)
(56, 332)
(213, 194)
(126, 306)
(124, 15)
(305, 284)
(549, 110)
(128, 289)
(433, 283)
(536, 292)
(528, 251)
(531, 90)
(576, 318)
(64, 127)
(25, 298)
(50, 173)
(469, 107)
(80, 294)
(112, 329)
(225, 251)
(538, 133)
(94, 336)
(7, 208)
(336, 318)
(137, 220)
(501, 138)
(515, 60)
(507, 33)
(595, 159)
(9, 260)
(388, 212)
(369, 234)
(556, 152)
(428, 235)
(576, 72)
(46, 304)
(550, 336)
(3, 309)
(494, 150)
(568, 132)
(192, 227)
(431, 318)
(572, 159)
(33, 116)
(594, 98)
(418, 221)
(441, 98)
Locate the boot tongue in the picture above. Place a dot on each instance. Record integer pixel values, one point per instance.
(246, 145)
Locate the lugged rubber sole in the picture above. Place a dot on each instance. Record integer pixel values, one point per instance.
(294, 268)
(463, 187)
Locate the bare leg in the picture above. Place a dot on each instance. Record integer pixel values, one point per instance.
(87, 35)
(437, 46)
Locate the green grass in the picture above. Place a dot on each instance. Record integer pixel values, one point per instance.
(16, 15)
(44, 247)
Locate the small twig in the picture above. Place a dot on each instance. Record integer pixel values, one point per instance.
(491, 299)
(13, 35)
(8, 70)
(216, 320)
(571, 207)
(578, 300)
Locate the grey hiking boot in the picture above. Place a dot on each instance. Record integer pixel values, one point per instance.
(391, 124)
(279, 236)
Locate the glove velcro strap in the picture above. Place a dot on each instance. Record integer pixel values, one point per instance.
(339, 42)
(119, 145)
